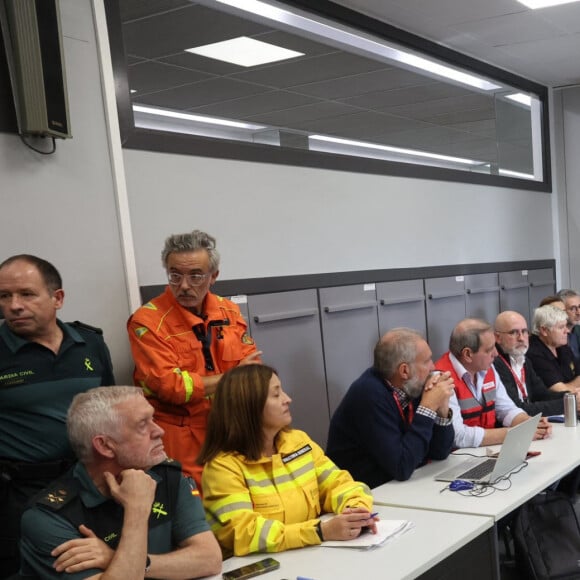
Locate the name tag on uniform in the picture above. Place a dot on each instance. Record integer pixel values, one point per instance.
(296, 454)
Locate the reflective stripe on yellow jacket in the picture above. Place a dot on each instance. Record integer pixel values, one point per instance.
(274, 504)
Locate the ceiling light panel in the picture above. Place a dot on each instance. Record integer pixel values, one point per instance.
(534, 4)
(245, 51)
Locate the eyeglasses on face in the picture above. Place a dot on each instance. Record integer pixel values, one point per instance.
(573, 308)
(175, 278)
(515, 332)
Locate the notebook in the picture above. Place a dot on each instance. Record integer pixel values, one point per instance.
(511, 455)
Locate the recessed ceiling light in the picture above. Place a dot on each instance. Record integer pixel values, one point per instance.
(245, 51)
(520, 98)
(544, 3)
(396, 150)
(196, 118)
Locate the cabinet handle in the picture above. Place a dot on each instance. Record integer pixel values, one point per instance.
(545, 283)
(344, 307)
(402, 300)
(446, 295)
(482, 290)
(285, 315)
(515, 286)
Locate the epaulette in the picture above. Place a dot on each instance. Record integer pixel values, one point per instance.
(58, 495)
(85, 326)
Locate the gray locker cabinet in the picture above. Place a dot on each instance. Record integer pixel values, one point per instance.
(402, 304)
(286, 327)
(350, 330)
(482, 296)
(542, 284)
(514, 292)
(445, 308)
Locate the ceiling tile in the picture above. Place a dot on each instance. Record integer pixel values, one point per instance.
(202, 93)
(151, 76)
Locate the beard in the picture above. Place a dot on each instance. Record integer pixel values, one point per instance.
(413, 388)
(517, 351)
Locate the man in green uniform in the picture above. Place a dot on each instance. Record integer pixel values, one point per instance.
(43, 364)
(124, 510)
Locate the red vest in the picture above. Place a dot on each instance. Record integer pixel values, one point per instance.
(474, 414)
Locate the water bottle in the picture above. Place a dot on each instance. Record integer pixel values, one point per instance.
(570, 416)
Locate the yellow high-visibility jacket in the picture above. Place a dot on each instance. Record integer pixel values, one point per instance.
(275, 503)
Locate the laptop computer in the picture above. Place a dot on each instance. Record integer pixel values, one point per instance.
(489, 469)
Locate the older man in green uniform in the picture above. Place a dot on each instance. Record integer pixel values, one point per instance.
(124, 509)
(43, 364)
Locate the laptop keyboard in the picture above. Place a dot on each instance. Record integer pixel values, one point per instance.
(479, 471)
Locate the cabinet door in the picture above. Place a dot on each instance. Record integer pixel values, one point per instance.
(445, 308)
(514, 292)
(482, 296)
(286, 327)
(350, 330)
(542, 284)
(402, 304)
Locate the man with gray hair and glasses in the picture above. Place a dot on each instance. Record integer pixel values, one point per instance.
(549, 352)
(525, 388)
(395, 417)
(124, 510)
(183, 341)
(482, 410)
(571, 300)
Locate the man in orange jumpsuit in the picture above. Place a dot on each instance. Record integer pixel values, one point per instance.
(183, 340)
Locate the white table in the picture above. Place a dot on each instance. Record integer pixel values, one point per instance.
(560, 454)
(436, 538)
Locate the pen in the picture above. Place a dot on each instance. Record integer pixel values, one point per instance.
(303, 578)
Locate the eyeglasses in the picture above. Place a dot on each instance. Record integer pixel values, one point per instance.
(175, 278)
(515, 332)
(573, 308)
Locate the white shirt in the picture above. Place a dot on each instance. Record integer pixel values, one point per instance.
(505, 409)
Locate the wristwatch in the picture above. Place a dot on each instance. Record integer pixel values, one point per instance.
(147, 564)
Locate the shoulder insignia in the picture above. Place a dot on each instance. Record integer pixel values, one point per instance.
(140, 331)
(85, 326)
(247, 339)
(150, 306)
(56, 498)
(219, 298)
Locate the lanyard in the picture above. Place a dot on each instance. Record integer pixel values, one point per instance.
(520, 382)
(407, 419)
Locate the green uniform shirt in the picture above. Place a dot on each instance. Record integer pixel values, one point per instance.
(43, 529)
(37, 387)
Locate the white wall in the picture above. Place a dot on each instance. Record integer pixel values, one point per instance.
(62, 207)
(274, 220)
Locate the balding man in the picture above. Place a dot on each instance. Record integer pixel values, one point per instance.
(396, 415)
(480, 401)
(522, 384)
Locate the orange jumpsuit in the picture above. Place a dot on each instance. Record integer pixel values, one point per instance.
(170, 364)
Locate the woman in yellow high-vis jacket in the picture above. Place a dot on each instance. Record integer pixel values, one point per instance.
(265, 485)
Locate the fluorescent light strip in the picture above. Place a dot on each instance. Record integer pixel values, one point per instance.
(349, 40)
(244, 51)
(400, 151)
(535, 4)
(196, 118)
(520, 98)
(510, 173)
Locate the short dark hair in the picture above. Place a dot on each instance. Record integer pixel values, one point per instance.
(236, 416)
(551, 299)
(47, 271)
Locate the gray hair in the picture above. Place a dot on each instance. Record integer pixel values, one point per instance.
(191, 242)
(467, 334)
(95, 413)
(396, 347)
(567, 293)
(547, 317)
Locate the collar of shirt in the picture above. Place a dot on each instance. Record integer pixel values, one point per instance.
(402, 397)
(462, 372)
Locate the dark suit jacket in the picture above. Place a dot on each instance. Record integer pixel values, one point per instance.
(540, 398)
